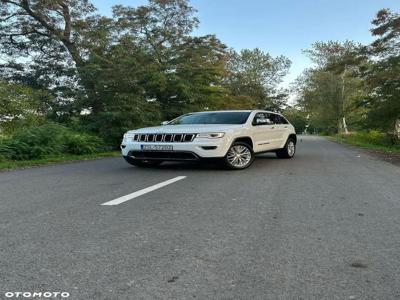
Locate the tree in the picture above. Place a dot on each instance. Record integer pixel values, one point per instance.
(186, 71)
(160, 26)
(318, 93)
(297, 117)
(255, 75)
(334, 55)
(40, 27)
(343, 60)
(46, 44)
(77, 55)
(193, 78)
(383, 75)
(118, 78)
(21, 106)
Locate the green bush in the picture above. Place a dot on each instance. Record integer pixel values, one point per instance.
(324, 133)
(372, 137)
(47, 140)
(78, 143)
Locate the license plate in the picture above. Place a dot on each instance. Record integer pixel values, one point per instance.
(156, 147)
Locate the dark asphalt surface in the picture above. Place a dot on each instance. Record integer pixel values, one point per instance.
(324, 225)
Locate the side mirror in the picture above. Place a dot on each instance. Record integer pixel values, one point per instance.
(164, 123)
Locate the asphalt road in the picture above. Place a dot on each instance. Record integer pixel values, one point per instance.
(324, 225)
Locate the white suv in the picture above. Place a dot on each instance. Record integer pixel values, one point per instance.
(233, 137)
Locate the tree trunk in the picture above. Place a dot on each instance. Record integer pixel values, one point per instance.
(342, 123)
(339, 126)
(397, 129)
(345, 126)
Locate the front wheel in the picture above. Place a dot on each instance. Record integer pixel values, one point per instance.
(142, 163)
(288, 151)
(239, 156)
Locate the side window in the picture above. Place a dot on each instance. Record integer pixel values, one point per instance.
(274, 118)
(258, 119)
(262, 119)
(284, 121)
(278, 119)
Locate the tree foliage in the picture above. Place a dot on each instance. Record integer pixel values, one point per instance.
(383, 75)
(298, 118)
(138, 67)
(21, 106)
(255, 75)
(355, 82)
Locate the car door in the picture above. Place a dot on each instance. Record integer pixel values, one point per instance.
(264, 135)
(281, 126)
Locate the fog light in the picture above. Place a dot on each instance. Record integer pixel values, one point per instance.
(209, 147)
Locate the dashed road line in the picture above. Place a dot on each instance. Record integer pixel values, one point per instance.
(143, 191)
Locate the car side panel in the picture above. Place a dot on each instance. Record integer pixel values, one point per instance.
(281, 134)
(264, 137)
(287, 131)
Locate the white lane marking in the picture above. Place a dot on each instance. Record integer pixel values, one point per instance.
(143, 191)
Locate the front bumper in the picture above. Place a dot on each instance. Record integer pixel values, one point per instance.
(163, 155)
(201, 148)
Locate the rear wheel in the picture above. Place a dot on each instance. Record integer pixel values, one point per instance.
(288, 151)
(239, 156)
(143, 163)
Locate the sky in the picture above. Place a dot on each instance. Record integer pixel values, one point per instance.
(281, 27)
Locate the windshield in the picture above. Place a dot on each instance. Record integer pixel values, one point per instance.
(239, 117)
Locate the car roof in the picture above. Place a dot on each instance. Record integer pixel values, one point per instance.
(237, 110)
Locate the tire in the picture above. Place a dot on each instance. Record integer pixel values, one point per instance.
(143, 163)
(289, 150)
(244, 156)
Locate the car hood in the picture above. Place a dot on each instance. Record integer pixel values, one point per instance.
(196, 128)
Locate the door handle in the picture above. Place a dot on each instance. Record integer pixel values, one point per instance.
(272, 127)
(285, 127)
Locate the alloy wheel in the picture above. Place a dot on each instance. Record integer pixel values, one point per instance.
(239, 156)
(291, 148)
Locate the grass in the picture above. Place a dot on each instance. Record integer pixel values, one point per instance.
(15, 164)
(360, 141)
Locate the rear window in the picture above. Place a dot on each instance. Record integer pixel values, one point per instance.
(277, 119)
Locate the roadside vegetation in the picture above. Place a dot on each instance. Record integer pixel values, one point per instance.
(73, 81)
(54, 158)
(36, 142)
(372, 140)
(37, 145)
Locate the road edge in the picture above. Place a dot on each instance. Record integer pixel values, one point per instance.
(387, 156)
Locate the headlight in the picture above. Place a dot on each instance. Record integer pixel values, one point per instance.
(129, 136)
(211, 135)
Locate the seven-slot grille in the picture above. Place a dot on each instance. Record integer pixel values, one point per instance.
(164, 137)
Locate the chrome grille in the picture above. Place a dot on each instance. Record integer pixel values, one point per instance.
(165, 137)
(188, 137)
(151, 137)
(159, 137)
(168, 138)
(178, 137)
